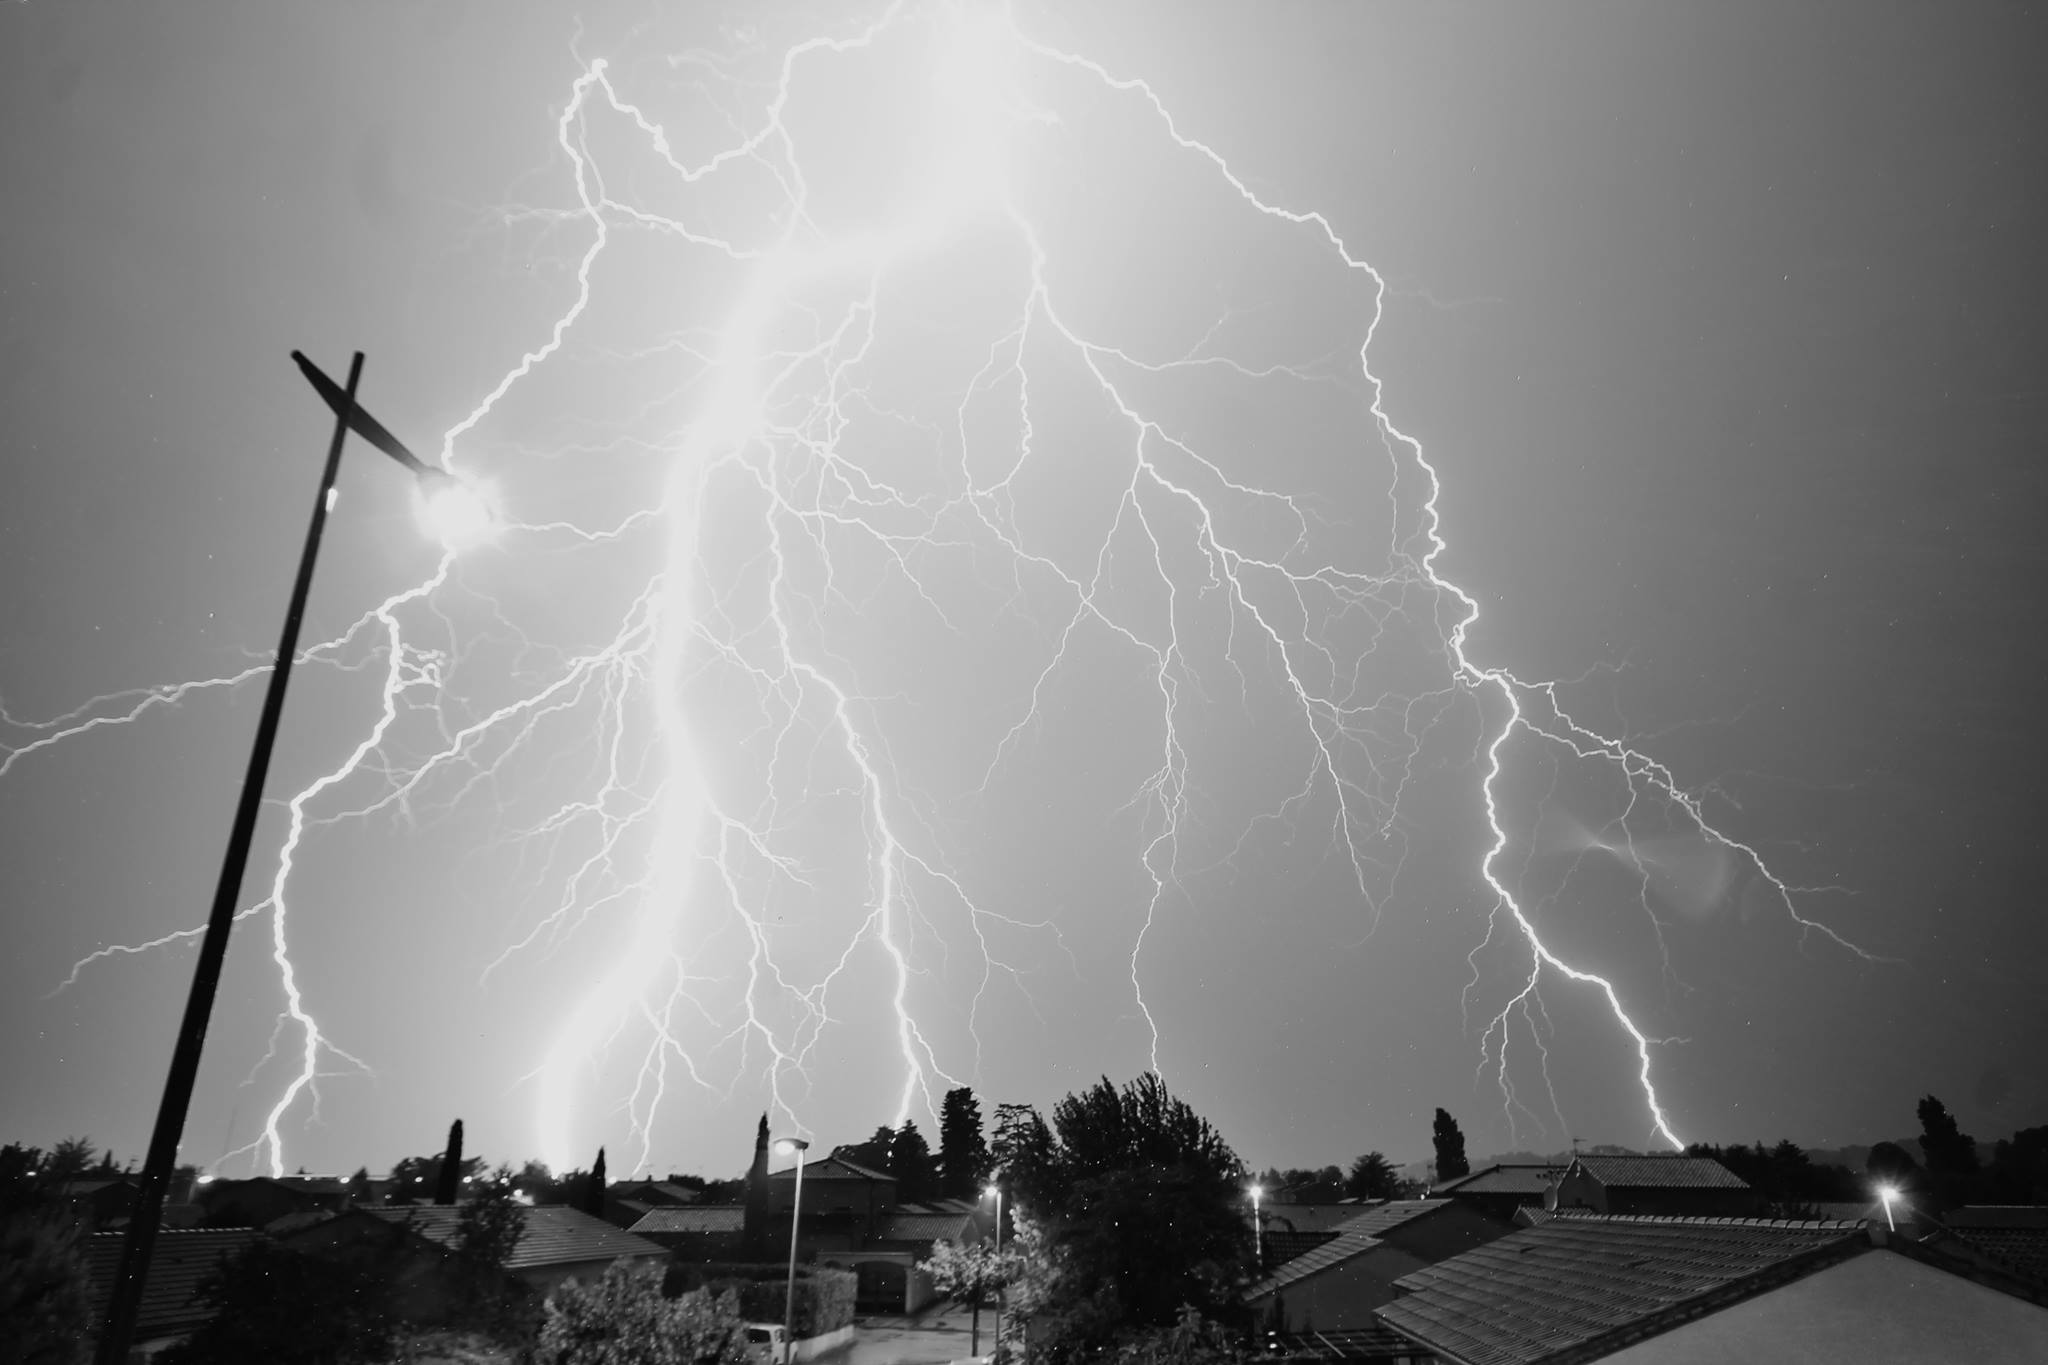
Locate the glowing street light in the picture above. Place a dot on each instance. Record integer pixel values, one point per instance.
(796, 1208)
(1258, 1192)
(1887, 1195)
(126, 1297)
(995, 1192)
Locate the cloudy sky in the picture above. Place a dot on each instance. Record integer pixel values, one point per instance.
(964, 612)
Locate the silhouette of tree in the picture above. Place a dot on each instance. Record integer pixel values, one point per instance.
(1893, 1165)
(69, 1159)
(45, 1308)
(593, 1190)
(1372, 1177)
(360, 1190)
(910, 1161)
(1450, 1147)
(963, 1151)
(1948, 1149)
(487, 1232)
(874, 1153)
(1024, 1155)
(449, 1186)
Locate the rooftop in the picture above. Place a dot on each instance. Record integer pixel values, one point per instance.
(1339, 1248)
(1506, 1179)
(926, 1227)
(555, 1234)
(183, 1257)
(699, 1218)
(1384, 1218)
(831, 1168)
(1662, 1172)
(1576, 1276)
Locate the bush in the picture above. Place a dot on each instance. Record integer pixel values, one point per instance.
(276, 1305)
(824, 1294)
(624, 1319)
(44, 1308)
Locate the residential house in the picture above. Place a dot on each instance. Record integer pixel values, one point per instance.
(627, 1201)
(1500, 1189)
(886, 1264)
(1337, 1284)
(171, 1308)
(262, 1201)
(101, 1201)
(705, 1232)
(1665, 1185)
(558, 1244)
(1633, 1290)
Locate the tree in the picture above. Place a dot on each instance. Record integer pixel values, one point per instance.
(622, 1319)
(537, 1182)
(874, 1153)
(1025, 1156)
(1949, 1150)
(1372, 1177)
(963, 1152)
(968, 1274)
(487, 1232)
(416, 1178)
(1450, 1147)
(593, 1190)
(449, 1186)
(360, 1190)
(1144, 1206)
(755, 1234)
(1891, 1164)
(45, 1307)
(277, 1305)
(70, 1159)
(910, 1161)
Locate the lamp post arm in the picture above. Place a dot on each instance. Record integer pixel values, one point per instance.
(126, 1298)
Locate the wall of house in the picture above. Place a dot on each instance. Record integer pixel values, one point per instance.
(1340, 1297)
(1880, 1306)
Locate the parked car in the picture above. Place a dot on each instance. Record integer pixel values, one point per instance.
(765, 1342)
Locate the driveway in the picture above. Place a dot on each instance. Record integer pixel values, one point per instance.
(936, 1336)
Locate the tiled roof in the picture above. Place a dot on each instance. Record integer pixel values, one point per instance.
(653, 1192)
(1577, 1276)
(555, 1234)
(1383, 1219)
(1340, 1248)
(831, 1168)
(704, 1218)
(2013, 1234)
(1372, 1343)
(182, 1258)
(1672, 1172)
(925, 1227)
(1505, 1180)
(1310, 1217)
(1282, 1247)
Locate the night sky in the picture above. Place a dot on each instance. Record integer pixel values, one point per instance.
(1718, 324)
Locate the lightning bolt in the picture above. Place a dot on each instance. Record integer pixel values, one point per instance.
(726, 735)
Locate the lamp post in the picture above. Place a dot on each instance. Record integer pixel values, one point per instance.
(1258, 1229)
(1002, 1288)
(126, 1297)
(796, 1208)
(1887, 1194)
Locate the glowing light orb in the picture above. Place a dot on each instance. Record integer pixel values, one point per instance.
(455, 512)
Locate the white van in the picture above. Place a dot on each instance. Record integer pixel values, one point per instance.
(765, 1342)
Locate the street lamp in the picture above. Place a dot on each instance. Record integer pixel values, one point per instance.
(1886, 1195)
(995, 1192)
(136, 1250)
(796, 1208)
(1258, 1192)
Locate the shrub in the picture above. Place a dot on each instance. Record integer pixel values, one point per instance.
(824, 1294)
(624, 1319)
(44, 1309)
(276, 1305)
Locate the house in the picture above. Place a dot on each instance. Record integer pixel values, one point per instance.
(1498, 1190)
(885, 1265)
(2009, 1238)
(1665, 1185)
(712, 1232)
(627, 1201)
(1637, 1290)
(261, 1201)
(1337, 1284)
(171, 1307)
(559, 1244)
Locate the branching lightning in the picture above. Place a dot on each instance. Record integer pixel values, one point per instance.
(678, 862)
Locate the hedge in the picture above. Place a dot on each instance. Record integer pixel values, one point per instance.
(824, 1294)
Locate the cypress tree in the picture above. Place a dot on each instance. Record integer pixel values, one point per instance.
(449, 1186)
(593, 1192)
(1450, 1147)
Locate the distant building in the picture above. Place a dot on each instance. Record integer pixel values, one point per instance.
(1579, 1287)
(559, 1243)
(1662, 1185)
(261, 1201)
(627, 1201)
(704, 1232)
(1338, 1283)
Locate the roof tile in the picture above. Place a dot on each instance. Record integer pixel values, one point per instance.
(555, 1234)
